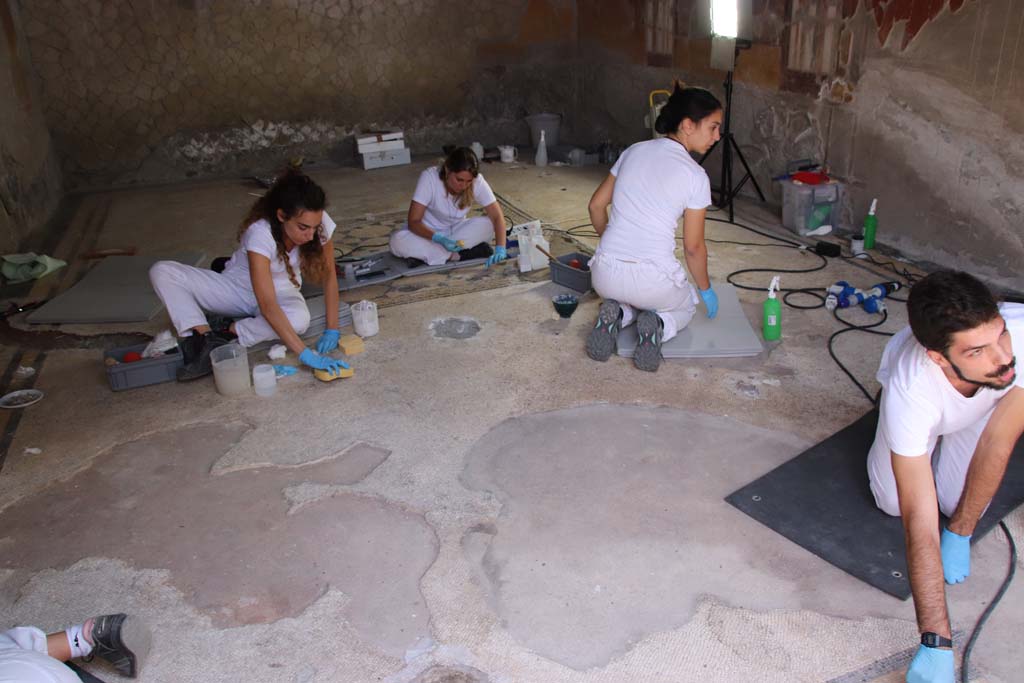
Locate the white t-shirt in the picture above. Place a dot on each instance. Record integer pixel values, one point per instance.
(258, 239)
(443, 210)
(655, 182)
(919, 404)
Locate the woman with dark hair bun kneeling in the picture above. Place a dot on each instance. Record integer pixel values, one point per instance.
(437, 230)
(286, 234)
(635, 270)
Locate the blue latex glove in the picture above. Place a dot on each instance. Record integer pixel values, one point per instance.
(328, 341)
(498, 256)
(285, 370)
(710, 301)
(956, 556)
(931, 665)
(446, 242)
(318, 362)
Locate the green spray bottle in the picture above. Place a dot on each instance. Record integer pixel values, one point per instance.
(772, 320)
(870, 225)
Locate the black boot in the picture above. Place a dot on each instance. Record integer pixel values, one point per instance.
(121, 640)
(196, 354)
(482, 250)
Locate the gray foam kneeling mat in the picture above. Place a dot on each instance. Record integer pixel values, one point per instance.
(729, 335)
(821, 500)
(116, 290)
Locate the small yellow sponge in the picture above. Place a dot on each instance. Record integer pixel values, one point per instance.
(351, 344)
(325, 376)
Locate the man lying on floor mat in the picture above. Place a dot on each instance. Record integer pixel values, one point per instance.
(437, 230)
(951, 375)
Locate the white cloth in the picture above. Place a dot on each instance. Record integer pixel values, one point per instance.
(919, 405)
(258, 239)
(443, 212)
(472, 231)
(648, 287)
(656, 181)
(23, 659)
(187, 292)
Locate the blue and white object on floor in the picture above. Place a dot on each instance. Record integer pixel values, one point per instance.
(729, 335)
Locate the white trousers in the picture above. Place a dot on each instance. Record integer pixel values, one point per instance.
(187, 292)
(472, 231)
(949, 467)
(646, 286)
(23, 659)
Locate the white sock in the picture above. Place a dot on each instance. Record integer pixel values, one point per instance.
(80, 647)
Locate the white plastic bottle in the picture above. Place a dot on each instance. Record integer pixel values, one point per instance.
(542, 151)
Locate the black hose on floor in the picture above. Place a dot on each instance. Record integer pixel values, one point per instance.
(965, 663)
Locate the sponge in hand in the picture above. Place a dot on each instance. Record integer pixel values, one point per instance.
(325, 376)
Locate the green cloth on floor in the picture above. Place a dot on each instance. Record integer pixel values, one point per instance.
(24, 267)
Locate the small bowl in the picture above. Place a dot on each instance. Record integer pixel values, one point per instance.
(565, 304)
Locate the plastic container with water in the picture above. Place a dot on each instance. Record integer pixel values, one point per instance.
(264, 379)
(364, 319)
(230, 369)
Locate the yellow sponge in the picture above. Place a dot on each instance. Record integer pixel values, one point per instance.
(351, 344)
(325, 376)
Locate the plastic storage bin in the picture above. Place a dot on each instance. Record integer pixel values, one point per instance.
(808, 207)
(142, 372)
(573, 278)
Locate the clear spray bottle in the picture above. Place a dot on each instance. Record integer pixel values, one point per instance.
(772, 321)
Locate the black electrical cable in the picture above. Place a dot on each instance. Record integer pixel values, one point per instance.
(965, 664)
(808, 291)
(851, 327)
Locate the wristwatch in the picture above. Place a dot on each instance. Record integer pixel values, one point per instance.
(929, 639)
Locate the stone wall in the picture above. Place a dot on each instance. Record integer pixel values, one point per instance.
(137, 91)
(30, 182)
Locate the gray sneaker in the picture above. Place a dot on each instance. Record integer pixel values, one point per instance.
(603, 339)
(121, 640)
(649, 329)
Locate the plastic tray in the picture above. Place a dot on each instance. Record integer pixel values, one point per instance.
(143, 372)
(573, 278)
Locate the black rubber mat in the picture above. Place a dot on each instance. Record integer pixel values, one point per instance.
(821, 501)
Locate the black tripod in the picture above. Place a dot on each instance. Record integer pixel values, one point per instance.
(726, 191)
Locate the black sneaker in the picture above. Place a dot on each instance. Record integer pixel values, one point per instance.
(121, 640)
(482, 250)
(197, 356)
(649, 329)
(604, 338)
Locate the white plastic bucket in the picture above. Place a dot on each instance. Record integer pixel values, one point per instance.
(549, 123)
(264, 380)
(364, 319)
(230, 369)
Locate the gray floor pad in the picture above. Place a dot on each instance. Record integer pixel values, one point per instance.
(116, 290)
(821, 500)
(390, 267)
(729, 335)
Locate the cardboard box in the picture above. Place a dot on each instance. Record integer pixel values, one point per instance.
(371, 136)
(386, 146)
(396, 157)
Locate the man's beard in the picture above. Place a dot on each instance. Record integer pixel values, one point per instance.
(987, 385)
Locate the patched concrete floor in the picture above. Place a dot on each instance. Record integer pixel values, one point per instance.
(480, 502)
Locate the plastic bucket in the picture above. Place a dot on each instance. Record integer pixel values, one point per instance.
(230, 369)
(364, 319)
(549, 123)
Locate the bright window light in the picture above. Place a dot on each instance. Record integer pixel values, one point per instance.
(724, 18)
